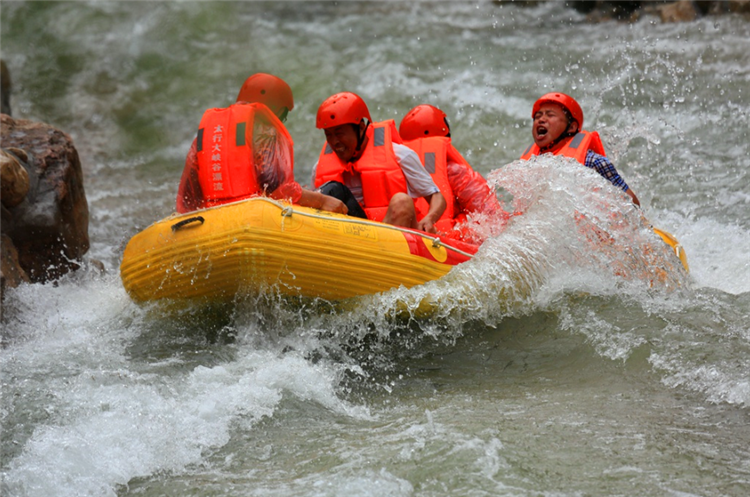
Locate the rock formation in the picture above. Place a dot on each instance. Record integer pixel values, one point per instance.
(48, 226)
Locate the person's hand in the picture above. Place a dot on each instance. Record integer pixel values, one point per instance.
(426, 224)
(437, 207)
(333, 204)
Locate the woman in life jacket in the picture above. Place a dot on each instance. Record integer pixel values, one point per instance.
(557, 129)
(245, 150)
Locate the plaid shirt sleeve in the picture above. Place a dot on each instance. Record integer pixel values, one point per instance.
(604, 166)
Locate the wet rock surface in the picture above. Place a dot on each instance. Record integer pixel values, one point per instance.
(48, 227)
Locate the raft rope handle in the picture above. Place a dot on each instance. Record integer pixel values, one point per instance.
(285, 213)
(288, 210)
(187, 221)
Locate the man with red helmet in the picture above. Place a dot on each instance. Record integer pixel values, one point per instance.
(366, 165)
(558, 130)
(245, 150)
(426, 130)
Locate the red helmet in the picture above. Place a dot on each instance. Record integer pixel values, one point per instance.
(424, 120)
(342, 108)
(569, 103)
(269, 90)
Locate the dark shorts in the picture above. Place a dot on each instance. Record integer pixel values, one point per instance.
(341, 192)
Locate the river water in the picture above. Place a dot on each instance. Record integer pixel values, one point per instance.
(547, 368)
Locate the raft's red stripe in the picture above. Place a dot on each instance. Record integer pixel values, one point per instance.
(417, 247)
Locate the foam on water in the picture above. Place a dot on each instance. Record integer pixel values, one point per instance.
(110, 418)
(724, 264)
(134, 425)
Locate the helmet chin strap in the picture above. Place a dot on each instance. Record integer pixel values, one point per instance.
(565, 134)
(360, 140)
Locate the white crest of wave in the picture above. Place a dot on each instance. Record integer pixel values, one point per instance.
(571, 230)
(139, 425)
(111, 421)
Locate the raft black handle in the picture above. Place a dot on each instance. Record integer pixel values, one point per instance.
(187, 221)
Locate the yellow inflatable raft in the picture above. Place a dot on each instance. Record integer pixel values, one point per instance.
(258, 243)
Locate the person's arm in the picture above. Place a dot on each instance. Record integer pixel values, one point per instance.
(317, 200)
(633, 196)
(419, 184)
(291, 191)
(471, 190)
(418, 181)
(437, 207)
(294, 193)
(606, 169)
(277, 165)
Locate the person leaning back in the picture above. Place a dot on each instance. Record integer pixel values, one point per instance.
(558, 129)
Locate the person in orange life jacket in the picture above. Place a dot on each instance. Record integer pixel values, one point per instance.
(468, 189)
(365, 165)
(265, 100)
(558, 129)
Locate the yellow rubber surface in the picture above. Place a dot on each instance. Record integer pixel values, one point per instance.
(257, 243)
(671, 240)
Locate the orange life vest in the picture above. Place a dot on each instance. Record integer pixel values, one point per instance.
(378, 168)
(225, 155)
(435, 153)
(575, 147)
